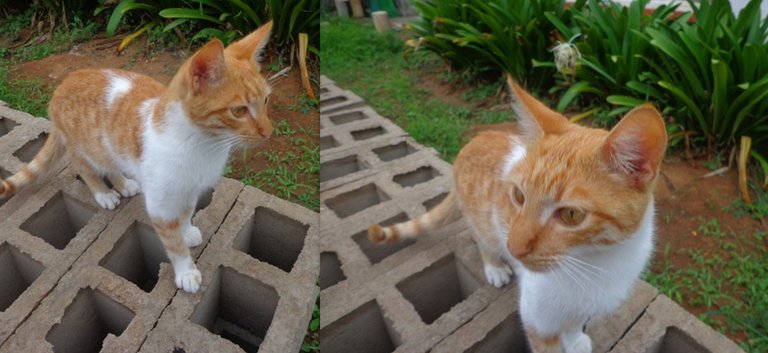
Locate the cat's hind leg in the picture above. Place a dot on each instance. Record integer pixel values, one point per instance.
(105, 197)
(125, 186)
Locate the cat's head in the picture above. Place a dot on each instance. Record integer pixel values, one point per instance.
(223, 91)
(579, 189)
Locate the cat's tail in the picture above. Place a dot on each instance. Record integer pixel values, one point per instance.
(52, 150)
(444, 213)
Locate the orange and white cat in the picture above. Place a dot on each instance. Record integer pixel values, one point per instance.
(569, 208)
(171, 143)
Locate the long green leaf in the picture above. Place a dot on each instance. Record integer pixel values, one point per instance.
(188, 14)
(695, 110)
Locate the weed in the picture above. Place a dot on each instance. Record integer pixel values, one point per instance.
(712, 228)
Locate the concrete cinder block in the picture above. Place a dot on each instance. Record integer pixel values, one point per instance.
(666, 327)
(120, 284)
(334, 99)
(345, 165)
(259, 274)
(44, 237)
(350, 135)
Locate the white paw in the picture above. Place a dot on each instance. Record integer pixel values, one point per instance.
(108, 200)
(131, 188)
(498, 276)
(193, 237)
(582, 344)
(189, 280)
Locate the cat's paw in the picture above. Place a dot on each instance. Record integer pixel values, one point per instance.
(130, 188)
(189, 280)
(193, 237)
(108, 200)
(582, 344)
(498, 276)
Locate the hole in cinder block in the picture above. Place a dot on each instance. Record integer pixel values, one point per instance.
(30, 149)
(4, 174)
(332, 101)
(363, 330)
(204, 200)
(676, 340)
(6, 125)
(273, 238)
(340, 167)
(344, 118)
(391, 152)
(328, 142)
(330, 270)
(377, 252)
(436, 289)
(324, 90)
(238, 308)
(433, 202)
(87, 321)
(415, 177)
(18, 272)
(59, 220)
(368, 133)
(507, 337)
(351, 202)
(137, 256)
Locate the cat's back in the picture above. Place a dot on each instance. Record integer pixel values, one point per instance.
(488, 152)
(94, 107)
(101, 89)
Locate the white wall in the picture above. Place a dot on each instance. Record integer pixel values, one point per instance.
(737, 5)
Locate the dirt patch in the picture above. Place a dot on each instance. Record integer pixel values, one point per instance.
(301, 116)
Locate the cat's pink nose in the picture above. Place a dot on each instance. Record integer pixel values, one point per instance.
(266, 130)
(520, 249)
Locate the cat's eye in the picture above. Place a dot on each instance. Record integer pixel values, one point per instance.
(571, 216)
(266, 100)
(239, 112)
(518, 196)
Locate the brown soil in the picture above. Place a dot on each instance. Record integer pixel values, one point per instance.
(162, 65)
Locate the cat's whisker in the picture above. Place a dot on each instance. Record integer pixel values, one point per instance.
(586, 267)
(568, 270)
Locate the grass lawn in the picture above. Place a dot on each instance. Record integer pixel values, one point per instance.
(372, 65)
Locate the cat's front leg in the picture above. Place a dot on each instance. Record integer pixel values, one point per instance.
(543, 343)
(575, 340)
(191, 234)
(187, 276)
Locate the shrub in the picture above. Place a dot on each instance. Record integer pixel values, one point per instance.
(497, 35)
(223, 19)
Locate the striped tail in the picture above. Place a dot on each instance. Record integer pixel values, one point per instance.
(51, 151)
(445, 213)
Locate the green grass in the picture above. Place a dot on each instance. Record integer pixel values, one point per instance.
(287, 178)
(371, 64)
(31, 95)
(729, 285)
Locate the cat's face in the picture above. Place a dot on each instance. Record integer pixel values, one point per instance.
(577, 188)
(223, 91)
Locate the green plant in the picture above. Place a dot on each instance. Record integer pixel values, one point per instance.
(615, 58)
(223, 19)
(711, 72)
(499, 35)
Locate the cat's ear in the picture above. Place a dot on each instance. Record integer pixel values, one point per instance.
(251, 46)
(535, 118)
(635, 147)
(206, 68)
